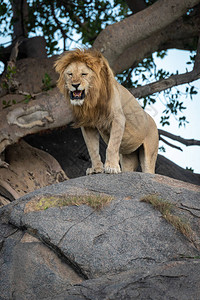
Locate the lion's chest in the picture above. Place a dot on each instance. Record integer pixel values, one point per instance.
(131, 140)
(87, 116)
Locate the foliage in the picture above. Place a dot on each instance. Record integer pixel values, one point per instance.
(71, 20)
(11, 102)
(10, 71)
(190, 169)
(8, 78)
(47, 82)
(5, 16)
(162, 149)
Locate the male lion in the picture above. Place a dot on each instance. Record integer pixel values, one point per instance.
(101, 105)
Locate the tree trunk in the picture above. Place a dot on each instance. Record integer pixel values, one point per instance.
(20, 18)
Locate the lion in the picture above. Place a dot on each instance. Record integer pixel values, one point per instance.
(102, 106)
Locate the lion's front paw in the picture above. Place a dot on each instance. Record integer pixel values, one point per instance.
(94, 170)
(112, 169)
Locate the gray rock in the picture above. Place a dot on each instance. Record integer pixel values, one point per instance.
(29, 269)
(127, 250)
(173, 280)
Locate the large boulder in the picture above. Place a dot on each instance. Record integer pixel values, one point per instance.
(123, 249)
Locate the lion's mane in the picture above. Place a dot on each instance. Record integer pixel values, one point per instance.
(96, 107)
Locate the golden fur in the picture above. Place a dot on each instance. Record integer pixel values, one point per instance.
(101, 104)
(100, 93)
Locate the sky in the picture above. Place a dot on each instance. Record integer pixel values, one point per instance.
(190, 157)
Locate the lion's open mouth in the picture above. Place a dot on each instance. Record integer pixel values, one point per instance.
(77, 95)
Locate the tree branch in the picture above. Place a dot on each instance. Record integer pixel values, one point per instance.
(180, 35)
(174, 80)
(136, 5)
(20, 18)
(7, 78)
(161, 85)
(41, 114)
(14, 53)
(63, 32)
(197, 58)
(140, 26)
(170, 144)
(186, 142)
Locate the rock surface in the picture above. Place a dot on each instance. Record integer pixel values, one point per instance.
(126, 250)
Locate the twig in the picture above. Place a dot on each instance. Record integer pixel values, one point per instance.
(29, 94)
(14, 53)
(197, 58)
(169, 144)
(9, 84)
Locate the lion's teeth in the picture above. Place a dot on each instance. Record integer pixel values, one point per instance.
(77, 93)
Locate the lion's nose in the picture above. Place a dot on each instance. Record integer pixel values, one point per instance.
(76, 85)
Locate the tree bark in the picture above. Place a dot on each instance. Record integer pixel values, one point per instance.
(179, 35)
(116, 38)
(29, 169)
(136, 5)
(20, 18)
(48, 111)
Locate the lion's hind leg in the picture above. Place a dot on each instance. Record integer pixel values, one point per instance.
(148, 154)
(129, 162)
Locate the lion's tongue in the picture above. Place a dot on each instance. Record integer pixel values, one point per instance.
(77, 93)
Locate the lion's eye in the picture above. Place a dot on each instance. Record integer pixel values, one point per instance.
(84, 74)
(70, 74)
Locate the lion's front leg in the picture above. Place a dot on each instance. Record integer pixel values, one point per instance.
(91, 137)
(112, 153)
